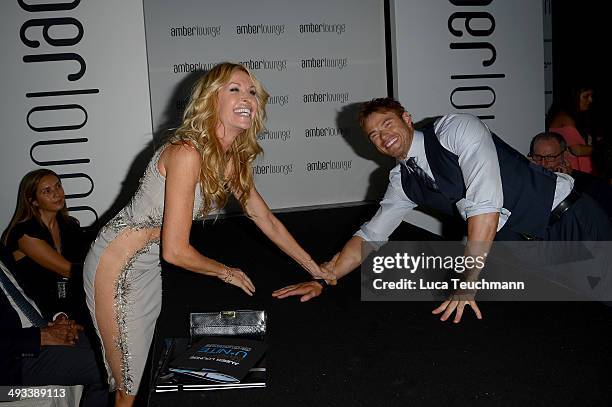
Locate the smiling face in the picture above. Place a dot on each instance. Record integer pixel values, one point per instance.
(237, 106)
(49, 196)
(390, 133)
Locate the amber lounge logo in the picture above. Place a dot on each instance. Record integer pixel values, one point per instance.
(265, 64)
(324, 63)
(273, 169)
(260, 29)
(316, 28)
(275, 135)
(326, 97)
(280, 100)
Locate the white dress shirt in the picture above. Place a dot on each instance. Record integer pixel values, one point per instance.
(470, 139)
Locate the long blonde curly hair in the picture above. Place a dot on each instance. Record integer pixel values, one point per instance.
(198, 128)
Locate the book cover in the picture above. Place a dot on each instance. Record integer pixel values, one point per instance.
(175, 382)
(220, 360)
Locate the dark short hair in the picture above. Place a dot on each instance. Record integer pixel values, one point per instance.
(379, 105)
(548, 135)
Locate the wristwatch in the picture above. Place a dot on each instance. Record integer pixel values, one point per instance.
(322, 283)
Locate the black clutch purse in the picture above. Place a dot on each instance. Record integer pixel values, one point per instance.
(243, 323)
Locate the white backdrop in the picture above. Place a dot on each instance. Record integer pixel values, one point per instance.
(478, 58)
(98, 120)
(314, 58)
(80, 100)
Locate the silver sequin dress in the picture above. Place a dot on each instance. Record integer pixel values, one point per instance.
(137, 287)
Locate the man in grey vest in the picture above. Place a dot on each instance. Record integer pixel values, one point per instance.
(456, 165)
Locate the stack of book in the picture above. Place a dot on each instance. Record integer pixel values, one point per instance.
(211, 363)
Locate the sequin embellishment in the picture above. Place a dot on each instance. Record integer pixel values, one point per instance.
(122, 306)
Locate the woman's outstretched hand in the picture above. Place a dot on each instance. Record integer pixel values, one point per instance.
(318, 272)
(237, 277)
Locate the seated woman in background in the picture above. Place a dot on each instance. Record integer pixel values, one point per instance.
(46, 243)
(569, 116)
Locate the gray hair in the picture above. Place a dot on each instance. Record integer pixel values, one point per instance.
(548, 135)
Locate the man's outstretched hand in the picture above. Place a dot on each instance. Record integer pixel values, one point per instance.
(306, 290)
(457, 303)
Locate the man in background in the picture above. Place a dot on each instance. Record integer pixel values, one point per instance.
(35, 352)
(549, 150)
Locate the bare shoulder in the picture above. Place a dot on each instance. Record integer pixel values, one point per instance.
(179, 155)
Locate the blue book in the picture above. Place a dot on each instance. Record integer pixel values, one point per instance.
(225, 360)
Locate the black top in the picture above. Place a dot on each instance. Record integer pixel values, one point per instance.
(39, 283)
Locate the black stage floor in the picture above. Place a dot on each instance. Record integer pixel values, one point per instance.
(338, 351)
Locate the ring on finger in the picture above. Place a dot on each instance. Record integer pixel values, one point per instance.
(229, 274)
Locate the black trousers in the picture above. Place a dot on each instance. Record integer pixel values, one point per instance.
(69, 366)
(585, 220)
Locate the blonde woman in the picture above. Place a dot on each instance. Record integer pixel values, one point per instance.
(208, 157)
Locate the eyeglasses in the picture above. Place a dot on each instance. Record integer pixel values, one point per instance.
(547, 158)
